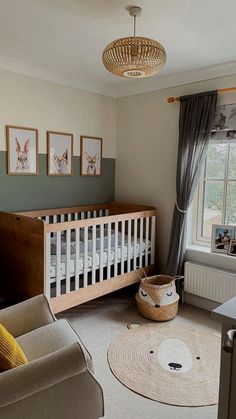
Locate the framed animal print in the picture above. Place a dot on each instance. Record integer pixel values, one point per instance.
(60, 152)
(22, 150)
(90, 156)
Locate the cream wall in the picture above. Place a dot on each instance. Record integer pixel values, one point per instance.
(147, 143)
(45, 105)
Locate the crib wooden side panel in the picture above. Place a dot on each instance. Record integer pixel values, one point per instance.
(21, 256)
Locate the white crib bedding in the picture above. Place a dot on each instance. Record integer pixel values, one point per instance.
(81, 242)
(97, 257)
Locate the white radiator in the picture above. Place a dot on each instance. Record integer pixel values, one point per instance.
(209, 282)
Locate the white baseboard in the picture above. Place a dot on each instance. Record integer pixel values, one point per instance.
(200, 302)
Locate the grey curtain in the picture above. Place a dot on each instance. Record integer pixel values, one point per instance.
(195, 122)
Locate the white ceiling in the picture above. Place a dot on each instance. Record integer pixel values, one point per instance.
(63, 40)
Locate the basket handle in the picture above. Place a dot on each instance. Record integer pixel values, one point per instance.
(142, 277)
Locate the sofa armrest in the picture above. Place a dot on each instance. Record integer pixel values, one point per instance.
(24, 381)
(26, 316)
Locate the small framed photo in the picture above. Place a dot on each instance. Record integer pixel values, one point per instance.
(232, 248)
(60, 152)
(90, 156)
(22, 150)
(221, 236)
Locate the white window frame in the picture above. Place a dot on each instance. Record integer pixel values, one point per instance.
(199, 197)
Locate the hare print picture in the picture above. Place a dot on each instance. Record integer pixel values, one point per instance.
(60, 151)
(90, 156)
(22, 150)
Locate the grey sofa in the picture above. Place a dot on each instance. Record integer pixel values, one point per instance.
(58, 382)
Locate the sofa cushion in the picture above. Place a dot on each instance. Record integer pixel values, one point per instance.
(11, 354)
(50, 338)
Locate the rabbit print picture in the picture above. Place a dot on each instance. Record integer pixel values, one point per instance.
(60, 150)
(22, 163)
(90, 156)
(22, 147)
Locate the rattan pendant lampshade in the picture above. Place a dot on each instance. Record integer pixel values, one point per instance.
(134, 56)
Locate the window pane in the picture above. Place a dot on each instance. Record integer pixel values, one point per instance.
(212, 206)
(232, 161)
(231, 203)
(215, 165)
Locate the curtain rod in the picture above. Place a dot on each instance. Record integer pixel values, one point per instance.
(172, 99)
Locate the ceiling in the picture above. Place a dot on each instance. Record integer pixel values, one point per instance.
(63, 40)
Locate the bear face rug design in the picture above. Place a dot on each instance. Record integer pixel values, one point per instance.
(168, 363)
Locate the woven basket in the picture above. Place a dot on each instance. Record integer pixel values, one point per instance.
(156, 288)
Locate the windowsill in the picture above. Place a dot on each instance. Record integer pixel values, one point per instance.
(202, 254)
(207, 249)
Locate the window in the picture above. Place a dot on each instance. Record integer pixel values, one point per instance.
(216, 197)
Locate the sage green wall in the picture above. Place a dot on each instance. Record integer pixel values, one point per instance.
(18, 193)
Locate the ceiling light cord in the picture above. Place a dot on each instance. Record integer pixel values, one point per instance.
(135, 25)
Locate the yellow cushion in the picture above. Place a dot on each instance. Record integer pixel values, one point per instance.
(11, 354)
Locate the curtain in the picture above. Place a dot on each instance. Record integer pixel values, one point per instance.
(195, 122)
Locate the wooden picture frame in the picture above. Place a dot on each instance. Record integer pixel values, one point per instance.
(60, 153)
(222, 234)
(22, 150)
(90, 156)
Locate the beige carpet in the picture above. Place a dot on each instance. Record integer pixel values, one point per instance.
(98, 323)
(168, 363)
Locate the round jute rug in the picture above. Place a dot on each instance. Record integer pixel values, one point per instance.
(168, 363)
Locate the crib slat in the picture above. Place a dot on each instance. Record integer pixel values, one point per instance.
(141, 244)
(58, 263)
(101, 252)
(100, 213)
(76, 216)
(85, 256)
(135, 244)
(122, 245)
(54, 219)
(94, 214)
(68, 236)
(47, 219)
(129, 246)
(109, 251)
(106, 212)
(82, 215)
(116, 249)
(88, 214)
(69, 217)
(47, 285)
(94, 255)
(77, 252)
(146, 241)
(62, 218)
(153, 231)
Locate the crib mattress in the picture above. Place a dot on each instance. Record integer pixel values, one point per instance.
(63, 264)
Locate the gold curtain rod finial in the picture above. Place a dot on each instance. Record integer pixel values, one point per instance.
(172, 99)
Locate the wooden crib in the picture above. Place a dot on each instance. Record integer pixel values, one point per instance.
(75, 254)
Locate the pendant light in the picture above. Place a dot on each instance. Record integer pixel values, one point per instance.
(134, 56)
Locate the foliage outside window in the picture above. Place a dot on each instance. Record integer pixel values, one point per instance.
(216, 203)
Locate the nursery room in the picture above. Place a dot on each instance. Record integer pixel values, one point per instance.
(117, 209)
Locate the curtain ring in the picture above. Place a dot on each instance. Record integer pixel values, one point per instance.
(180, 210)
